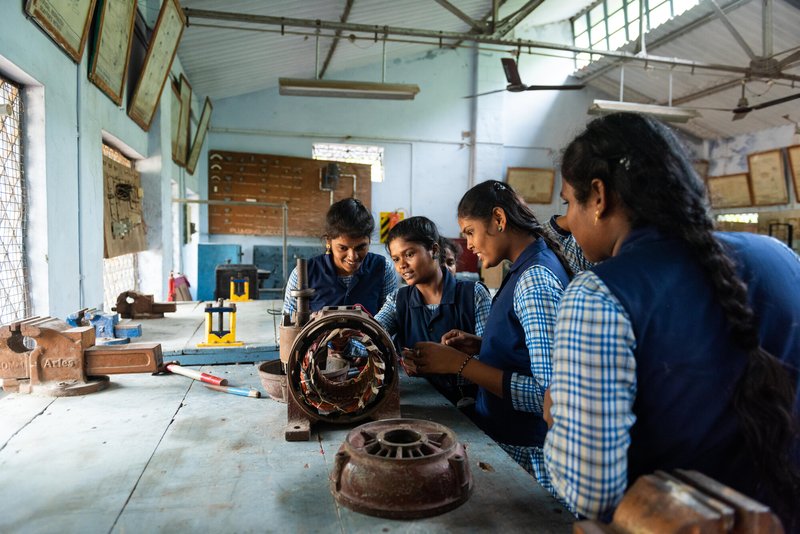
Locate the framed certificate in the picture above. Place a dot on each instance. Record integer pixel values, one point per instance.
(181, 148)
(767, 178)
(157, 62)
(199, 137)
(112, 48)
(731, 191)
(67, 23)
(794, 165)
(534, 185)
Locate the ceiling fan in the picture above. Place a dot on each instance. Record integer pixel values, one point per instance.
(515, 84)
(743, 106)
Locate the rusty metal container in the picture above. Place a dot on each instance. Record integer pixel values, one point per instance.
(401, 469)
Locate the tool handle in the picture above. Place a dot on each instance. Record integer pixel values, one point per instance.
(197, 375)
(244, 392)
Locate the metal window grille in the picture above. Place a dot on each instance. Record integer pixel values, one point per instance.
(610, 24)
(14, 297)
(120, 273)
(369, 155)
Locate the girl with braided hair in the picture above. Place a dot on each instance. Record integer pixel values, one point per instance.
(512, 367)
(681, 348)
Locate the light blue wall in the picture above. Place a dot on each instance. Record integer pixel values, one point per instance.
(429, 155)
(66, 119)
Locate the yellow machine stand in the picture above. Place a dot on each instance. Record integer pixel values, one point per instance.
(220, 337)
(240, 290)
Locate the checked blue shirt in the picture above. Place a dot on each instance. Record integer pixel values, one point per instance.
(593, 389)
(536, 300)
(389, 287)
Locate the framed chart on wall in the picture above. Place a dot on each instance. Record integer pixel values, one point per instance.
(534, 185)
(794, 165)
(112, 47)
(157, 62)
(182, 146)
(67, 23)
(731, 191)
(767, 178)
(199, 137)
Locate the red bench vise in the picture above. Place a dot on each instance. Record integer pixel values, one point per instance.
(45, 356)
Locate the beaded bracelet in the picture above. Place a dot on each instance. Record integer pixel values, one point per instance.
(466, 361)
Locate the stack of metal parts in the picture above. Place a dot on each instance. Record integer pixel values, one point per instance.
(685, 501)
(46, 356)
(322, 382)
(401, 469)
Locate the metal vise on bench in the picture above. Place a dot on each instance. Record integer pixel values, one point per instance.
(135, 305)
(45, 356)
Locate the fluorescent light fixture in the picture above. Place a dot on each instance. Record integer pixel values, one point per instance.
(346, 89)
(665, 113)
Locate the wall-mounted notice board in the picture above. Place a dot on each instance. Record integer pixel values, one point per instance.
(767, 178)
(730, 191)
(122, 210)
(246, 177)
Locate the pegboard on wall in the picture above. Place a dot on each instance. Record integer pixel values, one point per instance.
(124, 230)
(246, 177)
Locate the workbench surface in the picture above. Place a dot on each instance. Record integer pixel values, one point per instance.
(166, 454)
(179, 333)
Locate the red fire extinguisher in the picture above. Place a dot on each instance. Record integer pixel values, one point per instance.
(171, 288)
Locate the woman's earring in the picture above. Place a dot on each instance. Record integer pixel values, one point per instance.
(328, 247)
(499, 228)
(596, 216)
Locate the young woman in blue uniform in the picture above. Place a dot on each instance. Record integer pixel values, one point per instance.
(433, 302)
(512, 369)
(450, 252)
(347, 273)
(681, 349)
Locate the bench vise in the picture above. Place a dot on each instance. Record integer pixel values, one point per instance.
(45, 356)
(135, 305)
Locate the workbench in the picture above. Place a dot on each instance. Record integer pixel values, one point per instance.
(166, 454)
(179, 333)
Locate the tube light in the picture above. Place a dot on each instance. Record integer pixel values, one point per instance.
(665, 113)
(347, 89)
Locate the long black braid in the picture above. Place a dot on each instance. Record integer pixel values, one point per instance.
(480, 201)
(643, 165)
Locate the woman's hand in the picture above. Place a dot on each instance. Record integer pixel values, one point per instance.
(462, 341)
(435, 358)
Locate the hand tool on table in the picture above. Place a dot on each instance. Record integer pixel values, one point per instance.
(135, 305)
(220, 337)
(244, 392)
(46, 356)
(173, 367)
(684, 501)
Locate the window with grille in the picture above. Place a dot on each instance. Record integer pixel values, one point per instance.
(120, 273)
(610, 24)
(369, 155)
(14, 297)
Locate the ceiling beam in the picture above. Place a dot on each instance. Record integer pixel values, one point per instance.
(509, 24)
(374, 30)
(708, 91)
(723, 18)
(474, 24)
(335, 43)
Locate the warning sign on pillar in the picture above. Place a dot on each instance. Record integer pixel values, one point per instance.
(388, 220)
